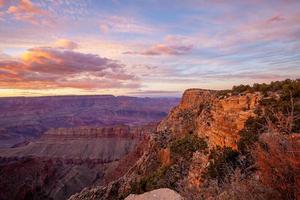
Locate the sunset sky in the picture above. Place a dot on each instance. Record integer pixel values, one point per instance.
(145, 47)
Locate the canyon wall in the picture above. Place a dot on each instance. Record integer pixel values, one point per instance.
(64, 161)
(215, 118)
(219, 119)
(26, 118)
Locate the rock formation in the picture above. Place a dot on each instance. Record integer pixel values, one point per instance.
(218, 119)
(159, 194)
(203, 113)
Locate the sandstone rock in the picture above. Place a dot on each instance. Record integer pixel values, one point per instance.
(165, 156)
(159, 194)
(201, 112)
(226, 117)
(218, 120)
(198, 165)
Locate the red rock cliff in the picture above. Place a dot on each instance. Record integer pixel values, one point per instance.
(202, 112)
(217, 119)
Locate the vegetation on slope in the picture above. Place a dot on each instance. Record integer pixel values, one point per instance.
(264, 166)
(232, 174)
(181, 150)
(268, 146)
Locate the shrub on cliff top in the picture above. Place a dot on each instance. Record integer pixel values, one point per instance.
(241, 88)
(285, 87)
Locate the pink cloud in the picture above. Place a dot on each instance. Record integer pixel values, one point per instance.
(25, 10)
(53, 68)
(5, 3)
(275, 18)
(164, 49)
(276, 27)
(2, 3)
(66, 44)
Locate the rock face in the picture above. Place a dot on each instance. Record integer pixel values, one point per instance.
(119, 131)
(217, 119)
(24, 118)
(103, 145)
(159, 194)
(202, 113)
(64, 161)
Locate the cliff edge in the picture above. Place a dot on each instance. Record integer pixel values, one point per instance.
(202, 121)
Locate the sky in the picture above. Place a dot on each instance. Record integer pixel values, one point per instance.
(145, 47)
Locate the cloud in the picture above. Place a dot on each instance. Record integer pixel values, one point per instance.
(275, 18)
(66, 44)
(2, 3)
(104, 28)
(46, 67)
(4, 56)
(25, 10)
(158, 93)
(164, 49)
(171, 45)
(119, 24)
(250, 75)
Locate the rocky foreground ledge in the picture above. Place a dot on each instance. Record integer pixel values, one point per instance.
(159, 194)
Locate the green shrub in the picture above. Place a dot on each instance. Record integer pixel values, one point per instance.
(222, 93)
(286, 87)
(167, 176)
(186, 146)
(250, 133)
(222, 161)
(240, 89)
(153, 181)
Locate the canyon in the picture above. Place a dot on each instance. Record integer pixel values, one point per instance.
(179, 154)
(65, 160)
(212, 145)
(53, 147)
(27, 118)
(216, 119)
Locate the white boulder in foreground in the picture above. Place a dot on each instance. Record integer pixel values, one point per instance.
(159, 194)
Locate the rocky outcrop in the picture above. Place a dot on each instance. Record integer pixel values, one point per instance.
(217, 119)
(181, 119)
(225, 118)
(159, 194)
(202, 113)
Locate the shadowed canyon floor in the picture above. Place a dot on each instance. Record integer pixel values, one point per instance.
(63, 161)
